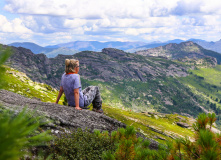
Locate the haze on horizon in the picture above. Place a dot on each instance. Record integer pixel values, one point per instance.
(54, 21)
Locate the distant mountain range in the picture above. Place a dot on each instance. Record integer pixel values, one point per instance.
(98, 46)
(74, 47)
(49, 52)
(214, 46)
(33, 47)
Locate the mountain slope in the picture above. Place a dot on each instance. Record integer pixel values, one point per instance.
(214, 46)
(63, 51)
(109, 65)
(156, 126)
(205, 83)
(182, 50)
(126, 80)
(153, 45)
(33, 47)
(19, 83)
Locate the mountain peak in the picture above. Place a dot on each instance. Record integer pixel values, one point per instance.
(113, 52)
(185, 49)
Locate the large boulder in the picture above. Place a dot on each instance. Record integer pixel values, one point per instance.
(63, 117)
(67, 116)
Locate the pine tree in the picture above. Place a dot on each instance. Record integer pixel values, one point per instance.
(4, 55)
(206, 145)
(17, 133)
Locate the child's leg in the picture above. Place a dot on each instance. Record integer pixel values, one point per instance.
(93, 96)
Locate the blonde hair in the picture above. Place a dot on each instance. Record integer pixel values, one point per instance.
(70, 65)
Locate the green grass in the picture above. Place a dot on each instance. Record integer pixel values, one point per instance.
(18, 82)
(113, 106)
(140, 121)
(147, 96)
(206, 86)
(211, 75)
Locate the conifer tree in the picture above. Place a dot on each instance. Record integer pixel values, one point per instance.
(17, 132)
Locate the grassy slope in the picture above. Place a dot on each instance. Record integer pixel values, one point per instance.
(148, 96)
(19, 83)
(140, 121)
(206, 84)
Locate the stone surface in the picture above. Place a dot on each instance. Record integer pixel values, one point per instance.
(181, 118)
(184, 125)
(67, 116)
(158, 137)
(64, 117)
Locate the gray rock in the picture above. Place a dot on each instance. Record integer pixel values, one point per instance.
(184, 125)
(161, 132)
(68, 116)
(181, 118)
(161, 138)
(64, 117)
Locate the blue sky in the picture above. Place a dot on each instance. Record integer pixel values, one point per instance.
(60, 21)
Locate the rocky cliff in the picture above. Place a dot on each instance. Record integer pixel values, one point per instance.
(109, 65)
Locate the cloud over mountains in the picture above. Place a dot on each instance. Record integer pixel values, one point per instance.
(55, 21)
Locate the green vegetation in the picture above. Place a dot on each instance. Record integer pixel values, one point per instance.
(130, 147)
(205, 146)
(142, 123)
(4, 55)
(165, 95)
(81, 144)
(19, 133)
(18, 82)
(206, 87)
(123, 144)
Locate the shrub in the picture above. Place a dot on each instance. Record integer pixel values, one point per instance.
(4, 55)
(206, 144)
(81, 144)
(18, 134)
(130, 147)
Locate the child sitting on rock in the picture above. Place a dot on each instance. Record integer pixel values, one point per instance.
(71, 86)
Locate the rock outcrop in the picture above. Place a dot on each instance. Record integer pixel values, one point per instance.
(182, 124)
(67, 116)
(63, 117)
(110, 65)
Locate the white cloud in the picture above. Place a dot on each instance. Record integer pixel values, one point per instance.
(15, 26)
(128, 20)
(211, 7)
(73, 23)
(92, 9)
(132, 31)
